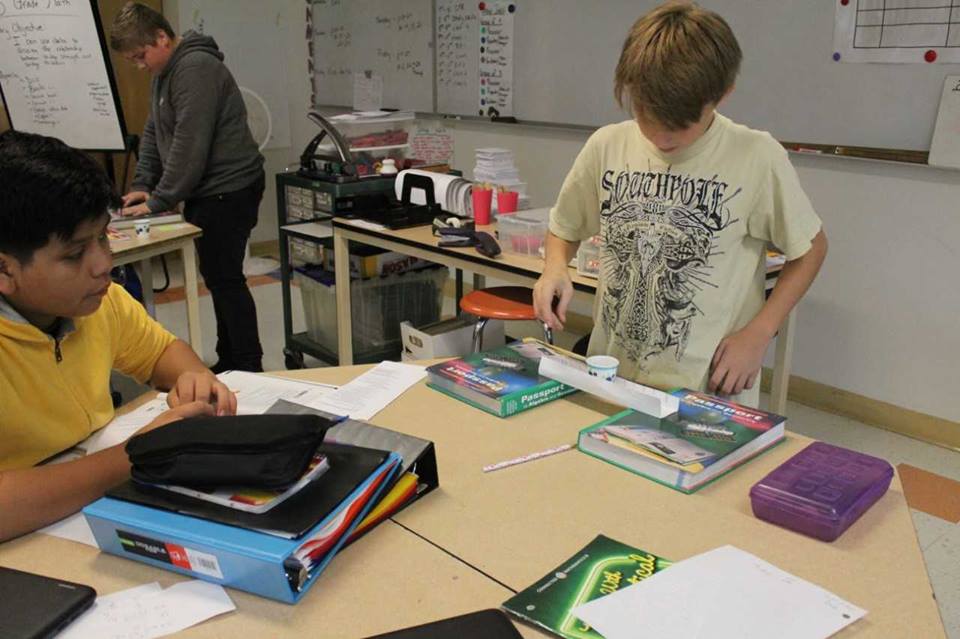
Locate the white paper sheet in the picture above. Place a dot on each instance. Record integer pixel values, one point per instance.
(945, 147)
(723, 593)
(370, 393)
(148, 611)
(74, 528)
(573, 372)
(123, 426)
(256, 393)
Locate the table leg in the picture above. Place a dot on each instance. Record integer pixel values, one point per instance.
(479, 281)
(146, 282)
(458, 280)
(781, 366)
(189, 253)
(341, 272)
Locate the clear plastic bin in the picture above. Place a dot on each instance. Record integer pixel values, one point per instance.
(373, 139)
(523, 233)
(588, 257)
(377, 305)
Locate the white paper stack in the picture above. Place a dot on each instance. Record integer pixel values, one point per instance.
(496, 166)
(451, 192)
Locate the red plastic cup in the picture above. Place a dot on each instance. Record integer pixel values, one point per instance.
(507, 201)
(482, 199)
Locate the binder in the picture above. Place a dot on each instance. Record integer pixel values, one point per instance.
(350, 466)
(255, 561)
(418, 455)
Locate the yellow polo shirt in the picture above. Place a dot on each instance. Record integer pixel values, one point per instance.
(46, 405)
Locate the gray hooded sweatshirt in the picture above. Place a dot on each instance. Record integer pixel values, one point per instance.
(196, 141)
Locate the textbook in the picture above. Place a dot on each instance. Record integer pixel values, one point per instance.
(600, 568)
(503, 381)
(707, 437)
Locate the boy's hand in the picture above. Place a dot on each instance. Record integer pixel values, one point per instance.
(134, 197)
(203, 387)
(737, 361)
(553, 283)
(193, 409)
(139, 209)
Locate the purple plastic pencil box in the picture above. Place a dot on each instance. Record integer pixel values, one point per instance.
(821, 490)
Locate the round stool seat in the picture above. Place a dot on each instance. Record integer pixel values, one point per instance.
(500, 302)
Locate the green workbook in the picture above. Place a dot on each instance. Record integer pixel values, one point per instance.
(602, 567)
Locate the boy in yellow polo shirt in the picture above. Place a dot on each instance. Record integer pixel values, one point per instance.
(63, 327)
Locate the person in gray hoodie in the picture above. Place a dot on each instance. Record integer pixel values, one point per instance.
(197, 150)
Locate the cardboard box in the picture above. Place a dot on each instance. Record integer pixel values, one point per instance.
(447, 338)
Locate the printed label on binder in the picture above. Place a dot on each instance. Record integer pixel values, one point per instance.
(186, 558)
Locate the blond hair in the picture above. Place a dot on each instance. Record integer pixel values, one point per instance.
(135, 26)
(677, 59)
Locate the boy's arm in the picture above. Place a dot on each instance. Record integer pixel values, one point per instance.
(195, 96)
(149, 166)
(739, 357)
(180, 371)
(31, 498)
(554, 281)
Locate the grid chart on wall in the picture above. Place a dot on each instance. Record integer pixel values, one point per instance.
(910, 31)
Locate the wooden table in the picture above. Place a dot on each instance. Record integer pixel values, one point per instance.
(165, 238)
(518, 523)
(479, 537)
(516, 269)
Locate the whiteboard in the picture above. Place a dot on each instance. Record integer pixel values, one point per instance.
(391, 39)
(55, 74)
(240, 28)
(566, 52)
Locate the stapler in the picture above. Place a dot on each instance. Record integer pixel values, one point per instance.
(481, 240)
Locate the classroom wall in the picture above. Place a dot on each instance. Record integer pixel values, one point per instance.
(882, 318)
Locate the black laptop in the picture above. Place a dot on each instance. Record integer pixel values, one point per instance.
(483, 624)
(33, 606)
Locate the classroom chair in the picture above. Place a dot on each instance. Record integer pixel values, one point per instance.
(502, 303)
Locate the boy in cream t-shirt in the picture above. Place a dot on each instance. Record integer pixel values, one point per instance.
(685, 202)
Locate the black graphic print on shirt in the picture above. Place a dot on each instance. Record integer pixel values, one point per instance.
(659, 231)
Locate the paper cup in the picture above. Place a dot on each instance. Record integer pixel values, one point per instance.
(482, 199)
(603, 366)
(142, 229)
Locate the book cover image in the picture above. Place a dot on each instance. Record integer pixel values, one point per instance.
(504, 381)
(704, 430)
(602, 567)
(696, 407)
(496, 373)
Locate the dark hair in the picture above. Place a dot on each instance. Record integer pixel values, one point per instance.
(136, 25)
(46, 188)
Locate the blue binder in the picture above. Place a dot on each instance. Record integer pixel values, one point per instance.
(240, 558)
